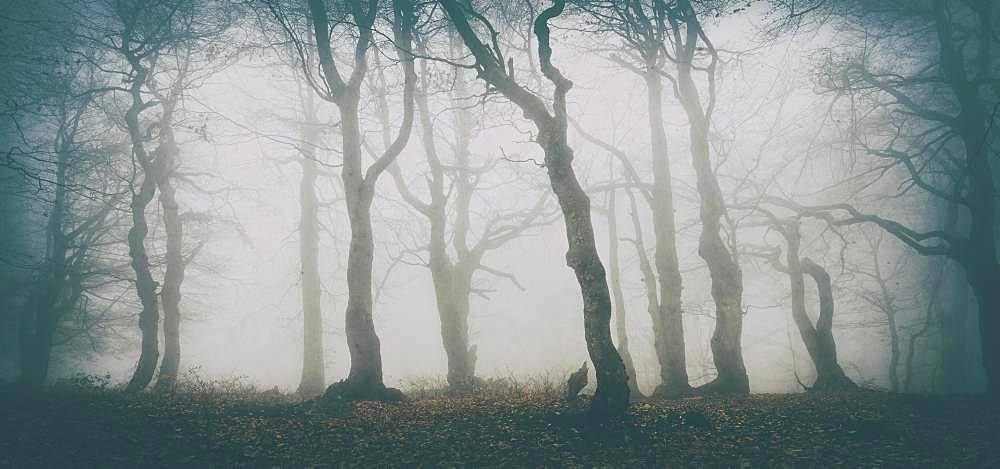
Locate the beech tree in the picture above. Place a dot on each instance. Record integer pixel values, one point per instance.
(935, 116)
(612, 395)
(453, 274)
(643, 30)
(364, 381)
(817, 338)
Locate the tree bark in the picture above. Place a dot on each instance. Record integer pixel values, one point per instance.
(955, 357)
(614, 278)
(313, 379)
(727, 281)
(669, 341)
(612, 395)
(362, 341)
(170, 295)
(829, 374)
(973, 125)
(149, 316)
(364, 381)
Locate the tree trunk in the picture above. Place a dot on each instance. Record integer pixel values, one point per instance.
(614, 277)
(894, 351)
(829, 374)
(727, 281)
(612, 395)
(170, 294)
(669, 337)
(365, 376)
(955, 357)
(41, 318)
(988, 296)
(145, 286)
(313, 379)
(973, 125)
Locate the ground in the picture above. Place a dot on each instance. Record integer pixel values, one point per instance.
(101, 428)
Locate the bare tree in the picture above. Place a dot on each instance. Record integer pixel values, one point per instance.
(612, 395)
(643, 29)
(936, 128)
(364, 381)
(453, 275)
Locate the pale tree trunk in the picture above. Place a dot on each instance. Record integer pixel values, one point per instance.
(612, 394)
(727, 281)
(313, 379)
(364, 381)
(615, 281)
(362, 341)
(670, 340)
(648, 275)
(170, 295)
(451, 279)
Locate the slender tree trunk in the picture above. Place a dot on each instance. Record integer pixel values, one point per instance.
(894, 351)
(614, 277)
(149, 317)
(612, 395)
(313, 379)
(670, 339)
(170, 295)
(648, 276)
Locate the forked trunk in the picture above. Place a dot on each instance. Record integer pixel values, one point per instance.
(829, 374)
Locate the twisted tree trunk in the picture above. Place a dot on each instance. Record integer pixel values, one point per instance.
(612, 395)
(829, 374)
(149, 316)
(727, 280)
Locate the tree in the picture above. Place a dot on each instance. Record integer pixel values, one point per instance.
(615, 282)
(643, 30)
(453, 274)
(727, 281)
(313, 380)
(937, 128)
(612, 395)
(818, 337)
(364, 381)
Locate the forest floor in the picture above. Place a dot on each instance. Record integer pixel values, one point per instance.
(64, 427)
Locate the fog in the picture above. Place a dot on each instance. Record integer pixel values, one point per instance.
(778, 128)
